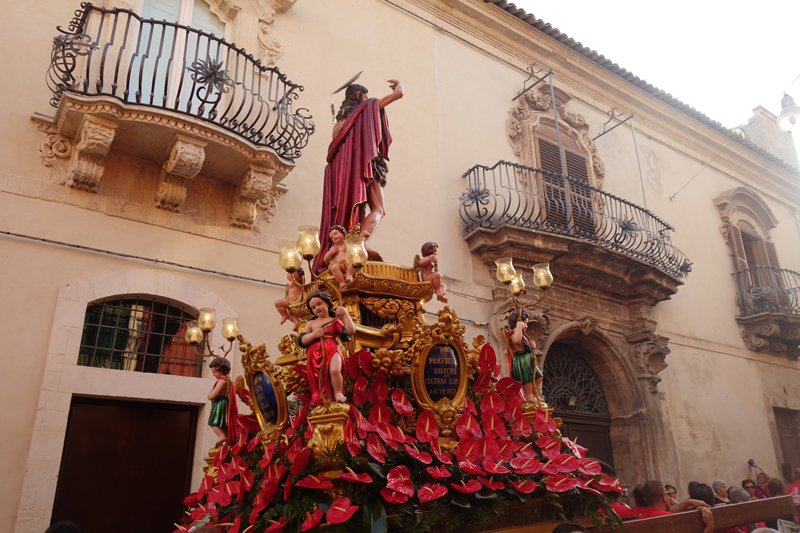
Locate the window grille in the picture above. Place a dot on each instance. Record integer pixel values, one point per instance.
(570, 384)
(140, 334)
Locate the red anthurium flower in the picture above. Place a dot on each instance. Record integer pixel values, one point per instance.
(301, 371)
(221, 456)
(300, 462)
(352, 477)
(544, 423)
(437, 452)
(399, 479)
(469, 407)
(392, 496)
(237, 523)
(470, 468)
(438, 473)
(379, 414)
(239, 443)
(386, 435)
(467, 425)
(526, 451)
(493, 402)
(550, 468)
(428, 492)
(513, 409)
(401, 403)
(561, 483)
(487, 360)
(508, 387)
(566, 462)
(246, 480)
(482, 383)
(222, 494)
(520, 426)
(493, 426)
(585, 485)
(350, 438)
(423, 457)
(525, 466)
(579, 451)
(467, 449)
(488, 449)
(426, 426)
(205, 486)
(295, 448)
(494, 468)
(277, 526)
(468, 487)
(375, 448)
(491, 484)
(378, 391)
(255, 441)
(397, 434)
(505, 449)
(360, 395)
(610, 483)
(353, 366)
(365, 361)
(362, 424)
(525, 487)
(408, 439)
(549, 446)
(287, 489)
(315, 482)
(247, 423)
(312, 520)
(273, 473)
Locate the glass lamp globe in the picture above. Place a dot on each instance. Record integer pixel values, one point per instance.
(289, 259)
(505, 270)
(355, 251)
(194, 335)
(229, 328)
(542, 277)
(308, 242)
(517, 285)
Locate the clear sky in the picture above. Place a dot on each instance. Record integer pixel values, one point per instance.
(722, 58)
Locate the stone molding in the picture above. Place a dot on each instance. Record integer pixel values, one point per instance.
(255, 199)
(90, 147)
(185, 159)
(526, 117)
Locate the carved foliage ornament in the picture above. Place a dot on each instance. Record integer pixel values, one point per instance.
(185, 159)
(777, 335)
(649, 353)
(55, 152)
(93, 142)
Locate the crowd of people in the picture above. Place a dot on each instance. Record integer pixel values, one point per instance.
(653, 499)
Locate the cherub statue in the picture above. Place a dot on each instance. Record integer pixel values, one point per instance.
(294, 291)
(335, 257)
(321, 337)
(223, 401)
(521, 358)
(429, 270)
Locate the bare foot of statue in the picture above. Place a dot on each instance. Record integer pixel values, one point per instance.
(441, 298)
(341, 398)
(284, 319)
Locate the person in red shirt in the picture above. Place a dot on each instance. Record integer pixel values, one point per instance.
(659, 505)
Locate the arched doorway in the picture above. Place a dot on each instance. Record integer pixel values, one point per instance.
(574, 391)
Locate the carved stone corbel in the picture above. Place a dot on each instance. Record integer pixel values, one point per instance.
(649, 353)
(55, 152)
(774, 334)
(254, 191)
(91, 145)
(186, 157)
(587, 324)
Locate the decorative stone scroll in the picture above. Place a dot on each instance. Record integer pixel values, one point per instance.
(256, 186)
(55, 152)
(91, 145)
(185, 159)
(771, 333)
(649, 353)
(271, 48)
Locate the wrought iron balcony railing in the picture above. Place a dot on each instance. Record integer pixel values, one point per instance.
(767, 289)
(178, 68)
(525, 197)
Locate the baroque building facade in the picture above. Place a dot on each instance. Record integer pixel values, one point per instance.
(159, 167)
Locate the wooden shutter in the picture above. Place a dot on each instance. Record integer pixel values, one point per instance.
(737, 247)
(580, 197)
(555, 196)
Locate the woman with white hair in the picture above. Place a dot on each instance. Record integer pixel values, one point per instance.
(720, 492)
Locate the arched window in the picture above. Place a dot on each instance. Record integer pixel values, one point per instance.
(141, 334)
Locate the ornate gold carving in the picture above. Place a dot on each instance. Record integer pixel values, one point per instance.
(447, 331)
(446, 416)
(55, 152)
(290, 350)
(387, 307)
(390, 363)
(328, 422)
(256, 360)
(93, 142)
(292, 380)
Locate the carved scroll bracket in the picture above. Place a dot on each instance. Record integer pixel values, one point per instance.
(55, 152)
(255, 193)
(91, 145)
(774, 334)
(185, 159)
(271, 48)
(648, 353)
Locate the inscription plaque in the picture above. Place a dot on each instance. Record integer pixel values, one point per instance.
(441, 372)
(265, 397)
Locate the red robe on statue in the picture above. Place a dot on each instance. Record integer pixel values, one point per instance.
(320, 354)
(363, 137)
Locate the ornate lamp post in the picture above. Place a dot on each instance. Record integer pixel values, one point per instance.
(513, 280)
(197, 332)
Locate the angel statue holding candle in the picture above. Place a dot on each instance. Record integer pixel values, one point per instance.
(321, 337)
